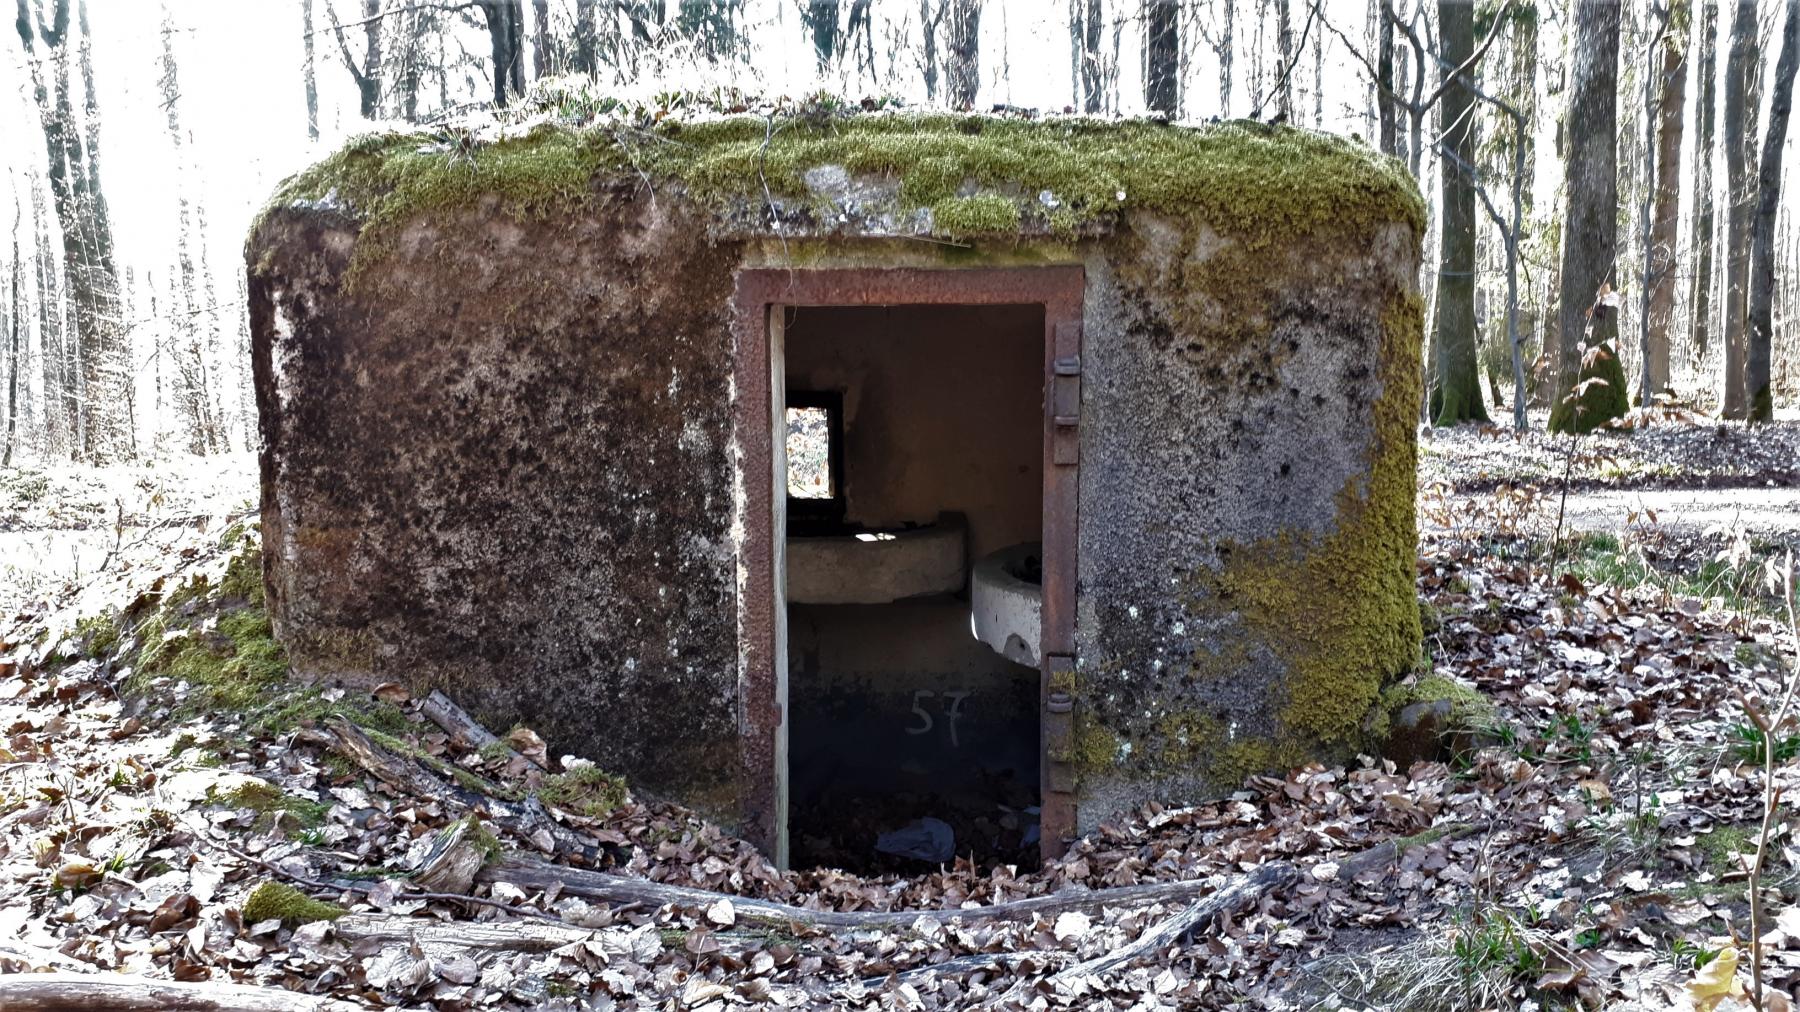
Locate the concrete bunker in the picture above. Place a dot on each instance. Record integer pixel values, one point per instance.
(1002, 472)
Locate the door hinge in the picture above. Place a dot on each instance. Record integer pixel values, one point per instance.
(1059, 725)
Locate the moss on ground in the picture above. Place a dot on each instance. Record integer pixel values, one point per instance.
(273, 901)
(979, 176)
(216, 637)
(1604, 396)
(266, 798)
(585, 790)
(1469, 709)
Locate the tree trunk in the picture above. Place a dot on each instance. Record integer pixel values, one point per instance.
(1456, 395)
(1385, 106)
(1705, 156)
(506, 46)
(1284, 45)
(1666, 219)
(587, 38)
(1093, 57)
(1738, 137)
(98, 343)
(1318, 95)
(1591, 383)
(194, 323)
(1762, 243)
(931, 12)
(308, 71)
(14, 330)
(1665, 226)
(964, 52)
(821, 20)
(368, 84)
(1225, 50)
(1162, 56)
(541, 58)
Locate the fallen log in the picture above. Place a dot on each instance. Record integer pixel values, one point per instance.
(116, 992)
(489, 936)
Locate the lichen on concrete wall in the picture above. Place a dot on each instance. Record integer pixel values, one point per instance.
(500, 467)
(494, 377)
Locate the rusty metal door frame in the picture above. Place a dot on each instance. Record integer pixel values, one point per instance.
(758, 414)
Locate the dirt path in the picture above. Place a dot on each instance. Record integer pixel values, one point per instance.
(1768, 514)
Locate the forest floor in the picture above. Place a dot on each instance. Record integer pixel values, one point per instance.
(172, 808)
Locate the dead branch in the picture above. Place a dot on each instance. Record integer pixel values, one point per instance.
(527, 819)
(620, 889)
(1240, 892)
(460, 726)
(117, 992)
(491, 936)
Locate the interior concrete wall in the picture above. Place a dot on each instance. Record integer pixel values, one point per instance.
(942, 411)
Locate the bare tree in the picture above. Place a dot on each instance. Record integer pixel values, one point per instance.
(1591, 387)
(1284, 46)
(308, 71)
(1222, 45)
(1662, 225)
(367, 73)
(15, 333)
(964, 52)
(820, 17)
(1162, 56)
(193, 326)
(102, 417)
(1705, 153)
(1762, 243)
(1388, 141)
(506, 44)
(1739, 136)
(1456, 387)
(586, 58)
(542, 59)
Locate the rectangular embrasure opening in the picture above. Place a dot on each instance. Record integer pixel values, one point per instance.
(914, 447)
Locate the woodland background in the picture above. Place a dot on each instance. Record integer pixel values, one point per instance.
(144, 136)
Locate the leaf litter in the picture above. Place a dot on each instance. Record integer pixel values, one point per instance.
(1589, 852)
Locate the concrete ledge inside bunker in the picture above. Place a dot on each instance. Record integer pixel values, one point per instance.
(503, 402)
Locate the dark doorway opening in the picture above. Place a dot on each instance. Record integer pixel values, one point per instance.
(914, 450)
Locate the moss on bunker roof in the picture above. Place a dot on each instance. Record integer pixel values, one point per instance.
(977, 176)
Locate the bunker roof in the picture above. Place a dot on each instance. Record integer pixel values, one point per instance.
(820, 171)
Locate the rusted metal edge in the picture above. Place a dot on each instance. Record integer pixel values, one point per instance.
(1059, 290)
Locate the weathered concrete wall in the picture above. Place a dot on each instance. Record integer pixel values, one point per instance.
(498, 464)
(498, 457)
(1247, 531)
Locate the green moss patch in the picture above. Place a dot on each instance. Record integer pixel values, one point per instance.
(585, 790)
(1342, 611)
(266, 798)
(1603, 396)
(273, 901)
(976, 175)
(1469, 709)
(215, 636)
